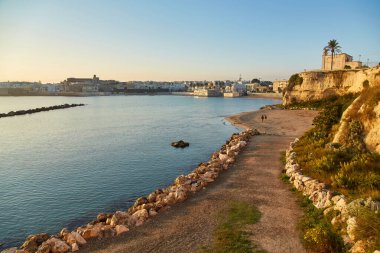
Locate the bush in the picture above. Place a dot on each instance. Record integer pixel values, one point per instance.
(293, 81)
(318, 233)
(347, 67)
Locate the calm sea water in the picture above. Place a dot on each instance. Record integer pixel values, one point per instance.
(61, 168)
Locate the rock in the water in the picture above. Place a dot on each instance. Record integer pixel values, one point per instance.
(180, 144)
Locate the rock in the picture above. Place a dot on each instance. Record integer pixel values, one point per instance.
(152, 197)
(119, 218)
(10, 250)
(351, 226)
(107, 231)
(58, 246)
(152, 212)
(74, 247)
(90, 231)
(223, 157)
(102, 217)
(359, 247)
(64, 232)
(139, 217)
(33, 241)
(321, 199)
(44, 248)
(75, 237)
(180, 194)
(140, 201)
(121, 229)
(230, 160)
(180, 144)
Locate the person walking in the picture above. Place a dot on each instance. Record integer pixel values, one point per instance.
(265, 116)
(262, 118)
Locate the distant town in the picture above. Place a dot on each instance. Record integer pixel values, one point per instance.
(94, 86)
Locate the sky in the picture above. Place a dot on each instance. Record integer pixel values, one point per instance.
(51, 40)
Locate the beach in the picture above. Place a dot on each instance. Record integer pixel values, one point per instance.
(254, 178)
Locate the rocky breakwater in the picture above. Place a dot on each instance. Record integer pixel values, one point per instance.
(117, 223)
(41, 109)
(323, 198)
(314, 85)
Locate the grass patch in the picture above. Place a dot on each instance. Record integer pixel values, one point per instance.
(230, 235)
(285, 178)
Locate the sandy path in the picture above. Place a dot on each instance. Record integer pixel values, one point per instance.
(253, 178)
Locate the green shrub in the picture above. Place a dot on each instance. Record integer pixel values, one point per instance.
(318, 233)
(293, 81)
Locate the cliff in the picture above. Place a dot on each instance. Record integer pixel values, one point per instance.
(366, 110)
(314, 85)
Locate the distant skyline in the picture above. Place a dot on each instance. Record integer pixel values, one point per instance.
(50, 40)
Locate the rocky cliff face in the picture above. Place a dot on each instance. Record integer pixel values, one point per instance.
(366, 110)
(322, 84)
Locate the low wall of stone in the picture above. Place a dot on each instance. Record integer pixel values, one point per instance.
(109, 225)
(323, 198)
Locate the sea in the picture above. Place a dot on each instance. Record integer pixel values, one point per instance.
(61, 168)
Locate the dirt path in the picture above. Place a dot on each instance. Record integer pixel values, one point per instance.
(253, 178)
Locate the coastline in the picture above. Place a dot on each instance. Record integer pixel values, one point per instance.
(246, 120)
(186, 226)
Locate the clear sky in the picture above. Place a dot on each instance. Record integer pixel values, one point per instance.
(50, 40)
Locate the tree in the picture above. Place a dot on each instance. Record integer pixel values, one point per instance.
(255, 80)
(332, 47)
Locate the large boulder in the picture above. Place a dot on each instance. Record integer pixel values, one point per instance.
(58, 246)
(75, 237)
(119, 218)
(33, 242)
(90, 231)
(139, 217)
(121, 229)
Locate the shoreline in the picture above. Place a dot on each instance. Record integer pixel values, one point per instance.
(237, 120)
(187, 225)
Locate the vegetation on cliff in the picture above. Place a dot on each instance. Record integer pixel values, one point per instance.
(349, 168)
(293, 81)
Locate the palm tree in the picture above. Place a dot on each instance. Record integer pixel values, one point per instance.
(333, 47)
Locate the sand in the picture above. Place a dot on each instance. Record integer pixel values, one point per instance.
(255, 178)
